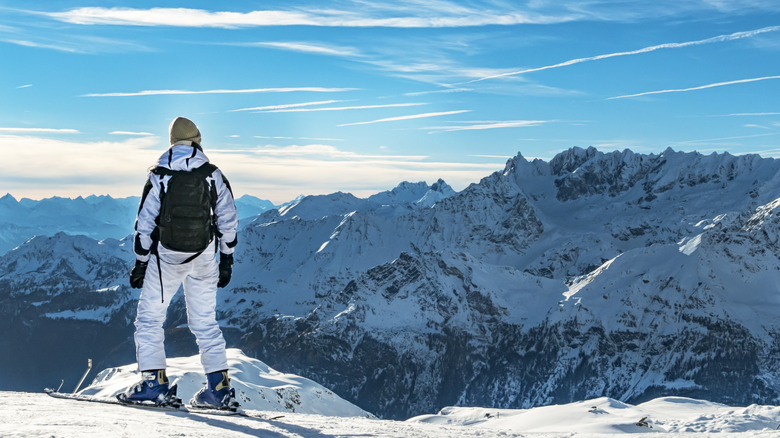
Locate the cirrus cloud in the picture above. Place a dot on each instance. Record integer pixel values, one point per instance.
(408, 117)
(433, 16)
(478, 126)
(39, 131)
(220, 91)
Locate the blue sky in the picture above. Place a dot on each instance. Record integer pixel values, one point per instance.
(305, 97)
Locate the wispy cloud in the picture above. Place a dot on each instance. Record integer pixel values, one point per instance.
(345, 108)
(504, 157)
(716, 39)
(321, 139)
(408, 117)
(286, 106)
(754, 114)
(39, 167)
(445, 91)
(405, 14)
(489, 125)
(427, 59)
(69, 42)
(769, 152)
(130, 133)
(307, 47)
(39, 45)
(249, 90)
(39, 131)
(24, 86)
(719, 141)
(436, 15)
(328, 152)
(298, 138)
(702, 87)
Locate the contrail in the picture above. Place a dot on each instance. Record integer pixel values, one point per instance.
(702, 87)
(716, 39)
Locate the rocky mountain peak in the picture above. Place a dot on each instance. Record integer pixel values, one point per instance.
(570, 160)
(442, 187)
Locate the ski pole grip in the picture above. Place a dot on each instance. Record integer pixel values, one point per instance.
(89, 367)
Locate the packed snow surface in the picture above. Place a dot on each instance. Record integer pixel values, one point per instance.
(38, 415)
(675, 415)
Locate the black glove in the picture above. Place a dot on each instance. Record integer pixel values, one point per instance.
(225, 269)
(137, 274)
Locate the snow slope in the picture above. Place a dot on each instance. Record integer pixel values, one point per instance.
(258, 387)
(38, 415)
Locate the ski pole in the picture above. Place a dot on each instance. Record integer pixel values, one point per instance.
(89, 367)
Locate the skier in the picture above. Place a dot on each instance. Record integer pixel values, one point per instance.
(186, 214)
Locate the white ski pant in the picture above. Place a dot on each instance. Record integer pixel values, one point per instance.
(199, 278)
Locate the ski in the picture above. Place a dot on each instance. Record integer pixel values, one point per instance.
(113, 401)
(174, 407)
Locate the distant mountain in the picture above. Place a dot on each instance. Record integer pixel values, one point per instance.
(398, 201)
(415, 194)
(595, 274)
(98, 217)
(249, 206)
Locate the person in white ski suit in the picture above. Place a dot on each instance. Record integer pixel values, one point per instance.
(161, 271)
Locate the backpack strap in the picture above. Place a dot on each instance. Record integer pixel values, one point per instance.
(204, 170)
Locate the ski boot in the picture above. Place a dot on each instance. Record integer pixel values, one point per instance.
(152, 389)
(217, 394)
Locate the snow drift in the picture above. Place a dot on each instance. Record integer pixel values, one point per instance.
(258, 387)
(606, 415)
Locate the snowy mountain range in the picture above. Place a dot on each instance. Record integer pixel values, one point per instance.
(98, 217)
(595, 274)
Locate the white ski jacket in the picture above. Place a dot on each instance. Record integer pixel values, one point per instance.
(183, 156)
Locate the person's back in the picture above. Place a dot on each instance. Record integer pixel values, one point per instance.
(186, 215)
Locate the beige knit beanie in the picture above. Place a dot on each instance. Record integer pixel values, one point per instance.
(183, 129)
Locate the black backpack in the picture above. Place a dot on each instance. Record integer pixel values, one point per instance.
(187, 205)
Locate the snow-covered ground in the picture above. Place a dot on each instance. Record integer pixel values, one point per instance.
(676, 415)
(292, 406)
(258, 386)
(38, 415)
